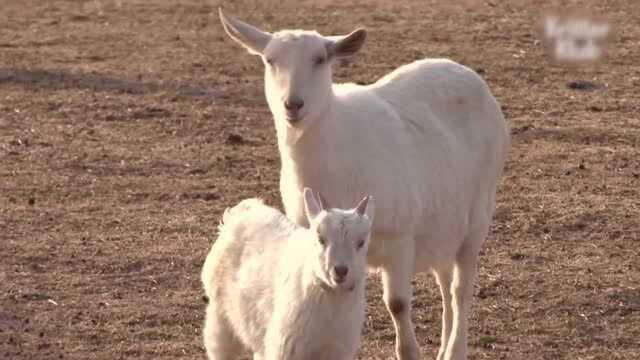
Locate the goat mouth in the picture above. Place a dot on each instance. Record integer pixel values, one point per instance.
(340, 286)
(343, 284)
(339, 280)
(293, 119)
(347, 287)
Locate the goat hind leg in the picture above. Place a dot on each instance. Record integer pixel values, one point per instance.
(219, 339)
(445, 278)
(462, 296)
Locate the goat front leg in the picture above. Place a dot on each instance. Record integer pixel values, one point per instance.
(278, 344)
(397, 272)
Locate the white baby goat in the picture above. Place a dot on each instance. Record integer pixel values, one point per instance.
(285, 292)
(428, 141)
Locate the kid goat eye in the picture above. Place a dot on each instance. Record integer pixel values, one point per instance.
(318, 60)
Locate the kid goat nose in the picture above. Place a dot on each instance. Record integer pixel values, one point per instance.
(293, 103)
(341, 271)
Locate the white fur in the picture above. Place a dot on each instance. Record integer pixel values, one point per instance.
(428, 141)
(271, 287)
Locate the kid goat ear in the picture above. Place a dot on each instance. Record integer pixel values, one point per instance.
(366, 206)
(312, 206)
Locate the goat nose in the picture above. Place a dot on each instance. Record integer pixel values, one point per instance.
(293, 103)
(341, 271)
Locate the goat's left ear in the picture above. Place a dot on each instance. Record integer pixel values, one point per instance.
(345, 46)
(312, 206)
(366, 207)
(324, 204)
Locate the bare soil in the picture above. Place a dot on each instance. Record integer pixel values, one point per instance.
(127, 126)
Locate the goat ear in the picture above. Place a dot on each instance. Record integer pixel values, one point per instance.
(311, 205)
(324, 204)
(345, 46)
(366, 207)
(252, 38)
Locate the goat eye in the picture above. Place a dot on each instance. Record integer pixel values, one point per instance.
(269, 61)
(360, 243)
(319, 60)
(322, 240)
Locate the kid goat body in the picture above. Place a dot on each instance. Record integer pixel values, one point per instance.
(285, 292)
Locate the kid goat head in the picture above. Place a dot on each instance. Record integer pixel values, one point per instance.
(341, 238)
(297, 66)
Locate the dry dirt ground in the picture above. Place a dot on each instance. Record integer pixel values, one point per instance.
(127, 126)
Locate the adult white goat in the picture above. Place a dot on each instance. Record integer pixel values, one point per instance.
(428, 141)
(286, 292)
